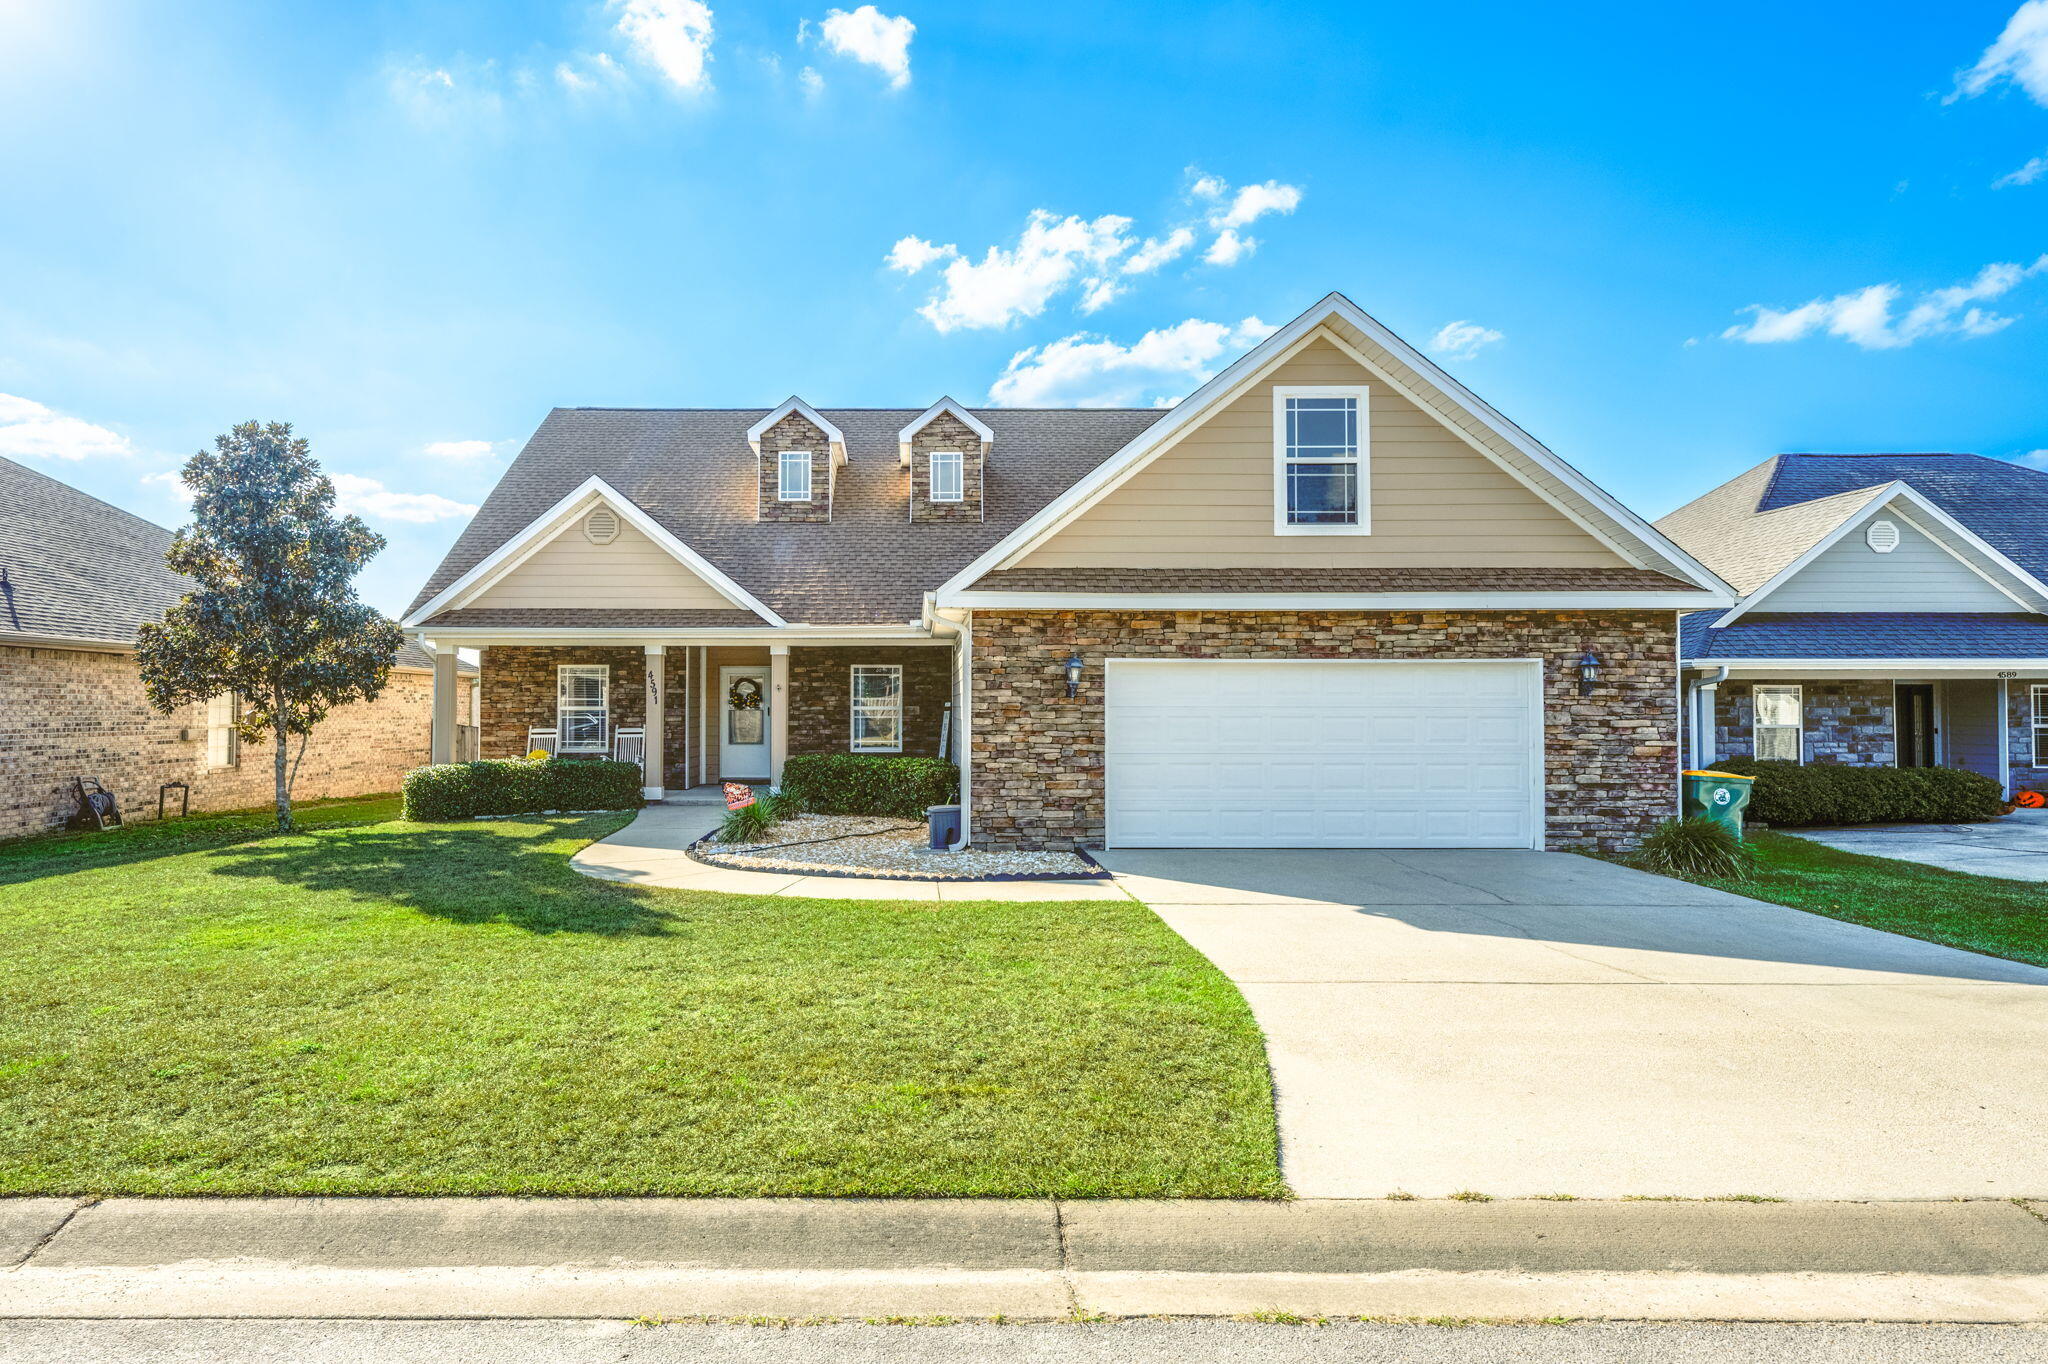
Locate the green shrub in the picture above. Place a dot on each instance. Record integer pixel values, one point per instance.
(746, 824)
(517, 786)
(864, 784)
(1794, 794)
(1694, 847)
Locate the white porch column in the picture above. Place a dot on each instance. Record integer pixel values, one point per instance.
(651, 758)
(446, 691)
(778, 713)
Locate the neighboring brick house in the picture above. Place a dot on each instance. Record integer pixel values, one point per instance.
(77, 577)
(1893, 612)
(1330, 599)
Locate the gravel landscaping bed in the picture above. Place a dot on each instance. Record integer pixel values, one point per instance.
(876, 845)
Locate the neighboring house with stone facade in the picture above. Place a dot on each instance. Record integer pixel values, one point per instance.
(77, 579)
(1893, 612)
(1330, 599)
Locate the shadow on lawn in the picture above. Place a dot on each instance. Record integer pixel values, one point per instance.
(463, 876)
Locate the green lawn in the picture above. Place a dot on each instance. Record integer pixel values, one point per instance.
(1981, 913)
(371, 1006)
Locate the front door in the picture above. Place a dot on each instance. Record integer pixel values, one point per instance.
(1914, 707)
(743, 735)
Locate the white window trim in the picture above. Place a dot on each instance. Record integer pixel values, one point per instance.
(783, 466)
(223, 737)
(931, 475)
(1363, 460)
(1756, 727)
(2037, 700)
(853, 708)
(603, 673)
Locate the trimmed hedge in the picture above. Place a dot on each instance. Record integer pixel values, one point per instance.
(517, 786)
(1791, 794)
(864, 784)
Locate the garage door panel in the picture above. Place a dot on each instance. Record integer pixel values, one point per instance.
(1322, 753)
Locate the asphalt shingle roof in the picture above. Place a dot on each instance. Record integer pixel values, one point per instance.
(1865, 635)
(692, 470)
(2005, 504)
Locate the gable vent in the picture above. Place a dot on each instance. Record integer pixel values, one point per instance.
(601, 527)
(1883, 536)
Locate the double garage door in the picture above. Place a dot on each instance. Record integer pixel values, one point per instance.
(1314, 753)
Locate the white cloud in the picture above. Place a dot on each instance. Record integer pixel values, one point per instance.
(460, 449)
(673, 36)
(2020, 55)
(2025, 175)
(29, 430)
(1865, 318)
(811, 81)
(1154, 252)
(1228, 212)
(1207, 186)
(1093, 371)
(1254, 202)
(1461, 340)
(591, 74)
(1050, 255)
(913, 254)
(368, 497)
(1229, 248)
(171, 482)
(867, 35)
(2035, 459)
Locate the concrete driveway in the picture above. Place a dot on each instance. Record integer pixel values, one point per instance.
(2013, 846)
(1520, 1023)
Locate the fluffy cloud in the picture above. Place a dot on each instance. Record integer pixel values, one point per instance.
(460, 449)
(368, 497)
(673, 36)
(29, 430)
(1050, 255)
(1462, 340)
(1866, 317)
(1229, 248)
(2025, 175)
(170, 482)
(1254, 202)
(2020, 55)
(1093, 371)
(1154, 252)
(869, 36)
(2033, 459)
(1228, 212)
(811, 81)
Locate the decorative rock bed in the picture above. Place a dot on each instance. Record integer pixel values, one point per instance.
(887, 849)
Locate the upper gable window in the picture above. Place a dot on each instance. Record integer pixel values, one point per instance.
(1319, 461)
(794, 484)
(948, 469)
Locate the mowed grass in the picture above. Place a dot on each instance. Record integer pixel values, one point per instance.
(1981, 913)
(372, 1006)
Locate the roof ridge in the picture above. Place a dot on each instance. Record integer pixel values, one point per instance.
(73, 490)
(770, 407)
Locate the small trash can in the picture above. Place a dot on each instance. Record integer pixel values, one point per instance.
(945, 824)
(1719, 796)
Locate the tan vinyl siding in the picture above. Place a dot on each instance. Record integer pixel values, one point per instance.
(1435, 501)
(1917, 576)
(631, 571)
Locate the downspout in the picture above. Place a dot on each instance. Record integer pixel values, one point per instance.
(963, 671)
(1704, 692)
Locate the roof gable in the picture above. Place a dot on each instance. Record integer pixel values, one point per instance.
(943, 407)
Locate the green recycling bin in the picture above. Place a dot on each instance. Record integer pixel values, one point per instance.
(1719, 796)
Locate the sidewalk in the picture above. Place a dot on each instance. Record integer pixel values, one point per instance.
(1980, 1261)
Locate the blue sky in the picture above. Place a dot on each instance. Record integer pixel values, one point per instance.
(1669, 240)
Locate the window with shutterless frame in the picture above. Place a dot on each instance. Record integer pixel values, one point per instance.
(877, 697)
(2038, 694)
(793, 482)
(1321, 440)
(947, 475)
(1780, 723)
(582, 707)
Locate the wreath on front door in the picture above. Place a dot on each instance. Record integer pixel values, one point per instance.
(744, 694)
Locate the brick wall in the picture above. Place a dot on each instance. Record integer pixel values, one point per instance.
(795, 432)
(1610, 758)
(1847, 720)
(821, 682)
(519, 692)
(68, 713)
(945, 432)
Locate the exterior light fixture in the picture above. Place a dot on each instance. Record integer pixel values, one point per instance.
(1589, 672)
(1074, 666)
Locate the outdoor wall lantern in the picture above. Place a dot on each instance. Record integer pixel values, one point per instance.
(1073, 674)
(1589, 672)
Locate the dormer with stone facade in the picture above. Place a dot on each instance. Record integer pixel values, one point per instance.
(946, 449)
(797, 455)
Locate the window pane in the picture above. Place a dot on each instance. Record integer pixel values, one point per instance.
(877, 728)
(1322, 425)
(796, 474)
(1777, 744)
(876, 683)
(582, 728)
(1777, 705)
(1322, 494)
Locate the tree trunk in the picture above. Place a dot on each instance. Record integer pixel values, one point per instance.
(279, 738)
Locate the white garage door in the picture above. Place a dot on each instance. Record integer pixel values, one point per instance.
(1323, 754)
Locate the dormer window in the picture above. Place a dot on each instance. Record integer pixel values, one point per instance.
(794, 484)
(1319, 461)
(948, 475)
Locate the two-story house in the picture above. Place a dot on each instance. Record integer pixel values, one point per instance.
(1330, 599)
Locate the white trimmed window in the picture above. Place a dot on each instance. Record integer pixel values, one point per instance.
(1780, 723)
(2039, 695)
(223, 744)
(794, 483)
(1320, 435)
(948, 475)
(583, 701)
(877, 708)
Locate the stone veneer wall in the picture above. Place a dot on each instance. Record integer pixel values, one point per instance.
(2019, 714)
(1847, 720)
(519, 692)
(946, 432)
(68, 713)
(821, 696)
(1611, 758)
(795, 432)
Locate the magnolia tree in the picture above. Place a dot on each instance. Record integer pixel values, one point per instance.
(274, 618)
